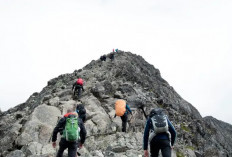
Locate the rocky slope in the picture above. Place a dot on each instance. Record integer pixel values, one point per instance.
(25, 129)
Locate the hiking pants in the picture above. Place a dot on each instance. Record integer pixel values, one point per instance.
(124, 122)
(72, 148)
(79, 90)
(159, 144)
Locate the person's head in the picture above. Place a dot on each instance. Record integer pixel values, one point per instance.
(69, 110)
(79, 106)
(160, 101)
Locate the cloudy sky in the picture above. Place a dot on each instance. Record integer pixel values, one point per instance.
(189, 41)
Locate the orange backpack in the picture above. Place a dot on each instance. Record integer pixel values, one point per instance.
(120, 107)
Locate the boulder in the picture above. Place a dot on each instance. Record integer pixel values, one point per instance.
(16, 153)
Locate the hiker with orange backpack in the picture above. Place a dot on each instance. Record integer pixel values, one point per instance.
(78, 86)
(121, 110)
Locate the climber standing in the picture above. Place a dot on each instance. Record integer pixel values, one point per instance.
(111, 56)
(78, 86)
(162, 134)
(103, 58)
(80, 109)
(73, 134)
(122, 109)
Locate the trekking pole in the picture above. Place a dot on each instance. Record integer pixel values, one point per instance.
(144, 112)
(131, 117)
(78, 154)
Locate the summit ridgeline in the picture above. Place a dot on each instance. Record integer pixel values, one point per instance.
(25, 129)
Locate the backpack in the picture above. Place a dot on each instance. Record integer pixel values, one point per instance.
(159, 122)
(72, 131)
(80, 81)
(120, 107)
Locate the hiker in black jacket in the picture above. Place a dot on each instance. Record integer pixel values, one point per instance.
(163, 140)
(72, 146)
(80, 109)
(103, 58)
(111, 56)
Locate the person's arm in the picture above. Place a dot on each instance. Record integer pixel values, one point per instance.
(82, 131)
(73, 86)
(128, 109)
(58, 127)
(172, 132)
(82, 88)
(146, 134)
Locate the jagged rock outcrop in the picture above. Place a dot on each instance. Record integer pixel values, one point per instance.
(25, 129)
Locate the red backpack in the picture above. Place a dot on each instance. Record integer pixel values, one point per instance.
(80, 81)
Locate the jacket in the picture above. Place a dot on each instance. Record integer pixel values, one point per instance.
(128, 109)
(76, 86)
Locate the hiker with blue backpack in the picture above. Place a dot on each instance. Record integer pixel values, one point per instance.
(73, 134)
(160, 133)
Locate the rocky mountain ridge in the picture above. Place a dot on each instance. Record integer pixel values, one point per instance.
(25, 129)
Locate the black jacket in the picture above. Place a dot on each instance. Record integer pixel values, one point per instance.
(76, 86)
(61, 125)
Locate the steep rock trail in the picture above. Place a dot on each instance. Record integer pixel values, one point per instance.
(26, 128)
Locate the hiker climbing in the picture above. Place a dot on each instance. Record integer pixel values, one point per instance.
(80, 109)
(116, 50)
(73, 134)
(103, 58)
(78, 86)
(162, 134)
(111, 56)
(122, 109)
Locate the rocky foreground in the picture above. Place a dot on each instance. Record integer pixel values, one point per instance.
(25, 129)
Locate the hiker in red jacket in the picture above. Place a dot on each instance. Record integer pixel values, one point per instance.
(78, 86)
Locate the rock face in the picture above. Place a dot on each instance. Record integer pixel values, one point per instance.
(25, 129)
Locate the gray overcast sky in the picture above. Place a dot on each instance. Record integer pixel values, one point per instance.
(188, 41)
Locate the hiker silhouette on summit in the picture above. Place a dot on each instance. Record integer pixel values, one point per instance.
(73, 134)
(121, 110)
(78, 86)
(103, 58)
(111, 56)
(160, 133)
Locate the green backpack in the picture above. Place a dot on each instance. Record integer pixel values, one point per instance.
(71, 132)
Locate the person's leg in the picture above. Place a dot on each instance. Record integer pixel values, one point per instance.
(165, 148)
(63, 145)
(79, 92)
(154, 148)
(72, 149)
(124, 122)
